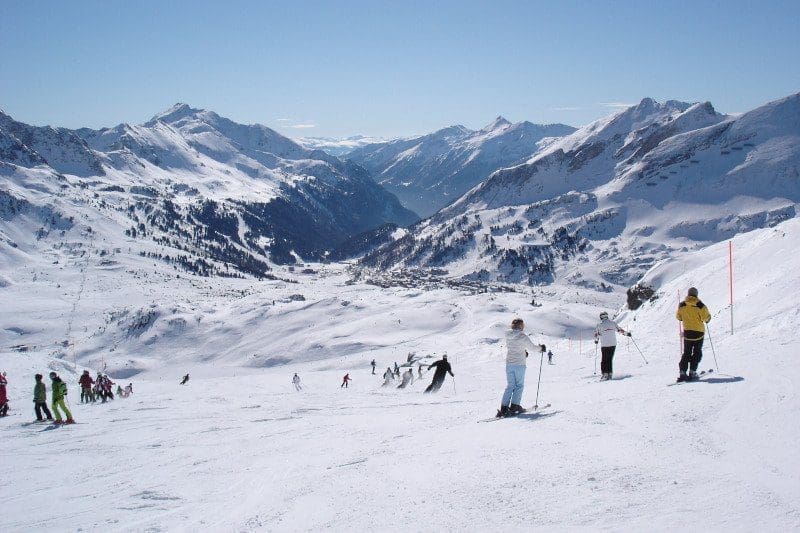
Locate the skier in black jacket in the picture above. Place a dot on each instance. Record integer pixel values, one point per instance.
(442, 368)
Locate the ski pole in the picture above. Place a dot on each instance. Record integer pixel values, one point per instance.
(541, 360)
(637, 349)
(454, 385)
(595, 357)
(712, 349)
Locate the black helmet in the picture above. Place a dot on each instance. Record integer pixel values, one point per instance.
(603, 315)
(38, 377)
(53, 375)
(693, 291)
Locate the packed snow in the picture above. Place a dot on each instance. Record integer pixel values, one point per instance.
(238, 448)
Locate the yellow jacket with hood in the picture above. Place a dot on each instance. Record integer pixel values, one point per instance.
(694, 315)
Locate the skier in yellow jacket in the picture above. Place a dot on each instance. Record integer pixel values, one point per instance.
(694, 315)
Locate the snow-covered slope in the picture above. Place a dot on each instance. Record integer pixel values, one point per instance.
(338, 146)
(242, 196)
(601, 206)
(430, 171)
(238, 449)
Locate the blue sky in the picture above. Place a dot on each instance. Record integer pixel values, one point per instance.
(388, 68)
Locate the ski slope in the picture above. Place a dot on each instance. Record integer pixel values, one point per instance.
(237, 449)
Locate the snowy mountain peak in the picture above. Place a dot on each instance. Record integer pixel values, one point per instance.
(497, 123)
(175, 113)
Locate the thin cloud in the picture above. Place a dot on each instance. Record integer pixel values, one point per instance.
(283, 119)
(303, 126)
(568, 108)
(615, 105)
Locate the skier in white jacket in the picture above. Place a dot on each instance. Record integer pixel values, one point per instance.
(518, 346)
(296, 381)
(408, 377)
(606, 333)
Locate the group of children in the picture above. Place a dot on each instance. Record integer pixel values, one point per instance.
(90, 391)
(102, 387)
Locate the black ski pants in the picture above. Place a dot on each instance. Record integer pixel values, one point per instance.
(607, 361)
(38, 407)
(436, 384)
(692, 354)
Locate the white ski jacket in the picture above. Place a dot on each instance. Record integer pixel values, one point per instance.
(606, 331)
(517, 343)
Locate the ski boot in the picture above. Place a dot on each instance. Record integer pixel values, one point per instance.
(69, 421)
(503, 412)
(692, 376)
(682, 377)
(516, 409)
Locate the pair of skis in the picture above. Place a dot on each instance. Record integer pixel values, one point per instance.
(532, 411)
(699, 375)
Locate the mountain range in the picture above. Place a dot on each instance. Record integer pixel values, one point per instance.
(602, 205)
(431, 171)
(224, 195)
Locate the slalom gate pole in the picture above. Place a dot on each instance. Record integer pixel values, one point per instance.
(595, 358)
(713, 351)
(640, 352)
(538, 384)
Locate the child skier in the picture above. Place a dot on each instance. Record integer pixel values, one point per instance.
(388, 377)
(345, 380)
(296, 382)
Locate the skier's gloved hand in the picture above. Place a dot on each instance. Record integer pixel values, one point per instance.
(629, 334)
(543, 348)
(595, 341)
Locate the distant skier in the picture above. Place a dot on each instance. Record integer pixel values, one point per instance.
(373, 366)
(442, 369)
(86, 382)
(408, 377)
(549, 357)
(40, 399)
(59, 391)
(107, 387)
(606, 333)
(296, 381)
(388, 377)
(185, 379)
(120, 392)
(3, 395)
(694, 315)
(345, 380)
(98, 387)
(396, 370)
(518, 346)
(129, 389)
(419, 371)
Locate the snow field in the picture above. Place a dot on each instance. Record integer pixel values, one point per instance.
(238, 449)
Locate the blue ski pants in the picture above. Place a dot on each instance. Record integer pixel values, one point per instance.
(515, 375)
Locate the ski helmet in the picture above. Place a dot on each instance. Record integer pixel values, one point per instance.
(603, 315)
(693, 291)
(52, 375)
